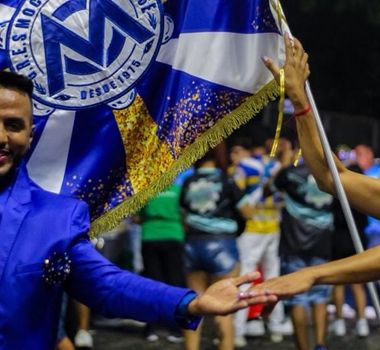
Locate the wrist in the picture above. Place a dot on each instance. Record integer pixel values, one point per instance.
(193, 307)
(315, 274)
(301, 112)
(186, 315)
(299, 101)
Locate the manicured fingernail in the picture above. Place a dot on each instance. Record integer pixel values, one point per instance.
(265, 59)
(246, 295)
(242, 295)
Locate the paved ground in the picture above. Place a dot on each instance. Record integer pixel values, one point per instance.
(121, 337)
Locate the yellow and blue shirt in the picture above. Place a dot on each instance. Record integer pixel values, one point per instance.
(251, 175)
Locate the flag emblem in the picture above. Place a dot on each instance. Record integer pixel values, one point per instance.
(128, 93)
(84, 53)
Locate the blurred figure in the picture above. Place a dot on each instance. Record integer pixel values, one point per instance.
(65, 344)
(63, 341)
(209, 198)
(305, 241)
(133, 243)
(258, 245)
(366, 160)
(83, 338)
(342, 247)
(163, 245)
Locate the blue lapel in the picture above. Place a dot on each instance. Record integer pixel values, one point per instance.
(16, 208)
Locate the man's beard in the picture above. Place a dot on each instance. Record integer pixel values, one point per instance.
(7, 179)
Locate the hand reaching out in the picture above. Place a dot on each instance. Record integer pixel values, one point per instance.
(285, 286)
(224, 297)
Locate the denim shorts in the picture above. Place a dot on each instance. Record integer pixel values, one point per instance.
(213, 256)
(318, 294)
(62, 317)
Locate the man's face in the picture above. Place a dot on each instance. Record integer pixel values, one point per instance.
(238, 153)
(15, 128)
(364, 157)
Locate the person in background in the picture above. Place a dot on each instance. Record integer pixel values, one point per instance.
(63, 341)
(83, 338)
(163, 245)
(366, 161)
(258, 245)
(306, 228)
(342, 247)
(208, 200)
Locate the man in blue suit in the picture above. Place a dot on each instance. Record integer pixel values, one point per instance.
(44, 249)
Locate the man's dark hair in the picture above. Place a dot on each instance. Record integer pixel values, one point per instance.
(11, 80)
(259, 135)
(244, 142)
(209, 156)
(365, 144)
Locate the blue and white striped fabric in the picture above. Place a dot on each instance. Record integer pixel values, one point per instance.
(128, 93)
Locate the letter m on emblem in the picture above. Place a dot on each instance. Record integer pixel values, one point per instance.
(55, 35)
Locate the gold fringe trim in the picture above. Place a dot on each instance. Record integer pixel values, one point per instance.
(280, 114)
(209, 139)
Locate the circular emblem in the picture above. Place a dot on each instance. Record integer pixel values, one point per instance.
(86, 52)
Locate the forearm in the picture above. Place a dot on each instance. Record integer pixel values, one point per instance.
(311, 146)
(359, 268)
(363, 192)
(113, 292)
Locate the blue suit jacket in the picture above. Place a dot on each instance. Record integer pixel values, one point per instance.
(35, 225)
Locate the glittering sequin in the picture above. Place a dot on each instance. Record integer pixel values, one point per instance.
(148, 157)
(101, 194)
(56, 268)
(199, 108)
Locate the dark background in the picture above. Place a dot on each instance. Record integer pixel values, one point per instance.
(342, 38)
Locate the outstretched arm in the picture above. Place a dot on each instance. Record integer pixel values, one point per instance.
(99, 284)
(363, 192)
(359, 268)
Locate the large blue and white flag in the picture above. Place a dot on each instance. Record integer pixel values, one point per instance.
(130, 92)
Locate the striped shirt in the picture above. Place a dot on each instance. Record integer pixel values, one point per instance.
(251, 174)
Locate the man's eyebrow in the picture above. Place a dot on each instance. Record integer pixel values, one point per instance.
(16, 119)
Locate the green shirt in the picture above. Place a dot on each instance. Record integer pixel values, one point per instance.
(161, 217)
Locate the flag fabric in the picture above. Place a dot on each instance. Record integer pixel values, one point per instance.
(130, 92)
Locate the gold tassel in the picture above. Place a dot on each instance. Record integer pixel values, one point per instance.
(209, 139)
(298, 157)
(280, 113)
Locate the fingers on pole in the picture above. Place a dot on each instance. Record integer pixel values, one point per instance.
(289, 50)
